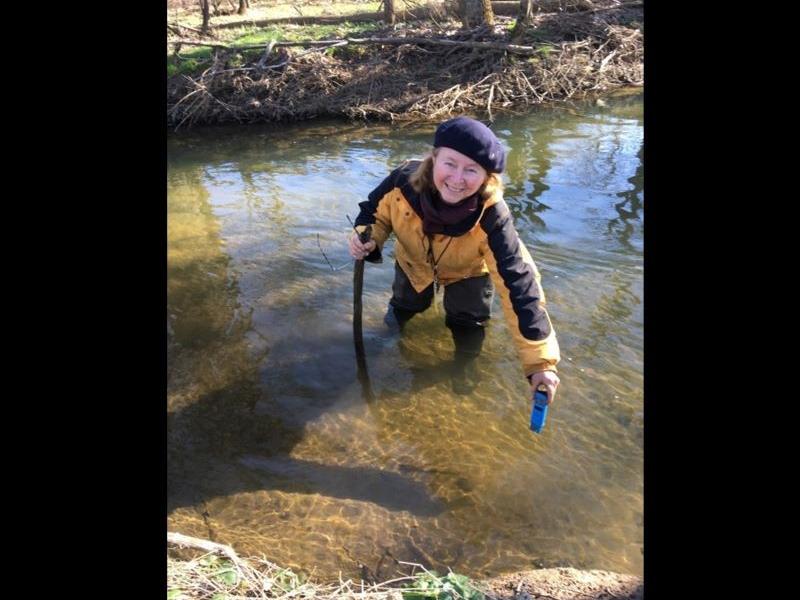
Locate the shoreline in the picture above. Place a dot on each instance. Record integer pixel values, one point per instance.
(414, 71)
(221, 569)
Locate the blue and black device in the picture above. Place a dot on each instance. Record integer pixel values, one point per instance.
(539, 411)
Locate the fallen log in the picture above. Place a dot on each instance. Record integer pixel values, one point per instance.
(208, 546)
(179, 29)
(399, 41)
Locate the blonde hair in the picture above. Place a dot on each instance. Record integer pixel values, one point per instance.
(422, 179)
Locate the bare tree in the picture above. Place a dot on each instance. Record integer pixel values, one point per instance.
(525, 13)
(524, 19)
(388, 12)
(243, 6)
(469, 12)
(204, 8)
(488, 13)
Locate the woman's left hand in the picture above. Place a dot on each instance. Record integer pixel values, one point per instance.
(549, 379)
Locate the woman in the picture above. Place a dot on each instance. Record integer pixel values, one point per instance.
(454, 230)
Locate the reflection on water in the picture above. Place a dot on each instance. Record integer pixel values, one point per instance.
(275, 446)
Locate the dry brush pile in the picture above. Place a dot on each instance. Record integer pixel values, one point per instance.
(220, 574)
(199, 569)
(416, 73)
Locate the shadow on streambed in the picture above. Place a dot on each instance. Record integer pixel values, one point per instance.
(238, 438)
(390, 490)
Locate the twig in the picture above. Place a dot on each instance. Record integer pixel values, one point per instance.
(176, 27)
(351, 223)
(263, 59)
(606, 59)
(489, 104)
(325, 256)
(192, 542)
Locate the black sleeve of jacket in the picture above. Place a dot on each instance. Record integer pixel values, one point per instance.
(369, 207)
(524, 291)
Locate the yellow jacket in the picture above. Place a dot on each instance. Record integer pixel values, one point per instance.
(487, 242)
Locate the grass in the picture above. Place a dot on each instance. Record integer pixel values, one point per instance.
(293, 33)
(221, 574)
(194, 59)
(212, 577)
(259, 12)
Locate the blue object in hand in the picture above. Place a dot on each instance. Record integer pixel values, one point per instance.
(539, 411)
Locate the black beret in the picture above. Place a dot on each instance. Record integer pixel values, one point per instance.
(474, 139)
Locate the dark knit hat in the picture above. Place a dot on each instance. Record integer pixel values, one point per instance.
(474, 139)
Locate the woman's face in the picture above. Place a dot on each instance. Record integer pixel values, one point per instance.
(455, 175)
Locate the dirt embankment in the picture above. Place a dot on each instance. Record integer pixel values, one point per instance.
(565, 584)
(416, 70)
(200, 578)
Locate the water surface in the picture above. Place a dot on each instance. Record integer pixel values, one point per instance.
(273, 444)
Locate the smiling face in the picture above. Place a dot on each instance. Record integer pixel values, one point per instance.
(455, 175)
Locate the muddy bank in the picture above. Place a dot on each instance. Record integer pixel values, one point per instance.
(191, 575)
(417, 71)
(565, 584)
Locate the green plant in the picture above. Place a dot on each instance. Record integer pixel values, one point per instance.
(237, 60)
(287, 580)
(431, 586)
(223, 570)
(258, 36)
(177, 67)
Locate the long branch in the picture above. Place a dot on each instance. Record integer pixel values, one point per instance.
(184, 540)
(514, 48)
(209, 546)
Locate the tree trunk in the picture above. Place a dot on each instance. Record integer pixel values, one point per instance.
(243, 6)
(469, 12)
(204, 8)
(524, 18)
(388, 12)
(488, 13)
(525, 12)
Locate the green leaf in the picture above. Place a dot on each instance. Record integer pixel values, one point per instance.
(174, 594)
(208, 561)
(287, 580)
(227, 576)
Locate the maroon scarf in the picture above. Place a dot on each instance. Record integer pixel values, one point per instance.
(436, 213)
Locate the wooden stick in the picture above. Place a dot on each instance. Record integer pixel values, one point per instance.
(176, 27)
(489, 104)
(358, 286)
(263, 59)
(208, 546)
(193, 542)
(513, 48)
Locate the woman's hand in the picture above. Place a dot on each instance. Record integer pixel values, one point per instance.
(359, 250)
(547, 378)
